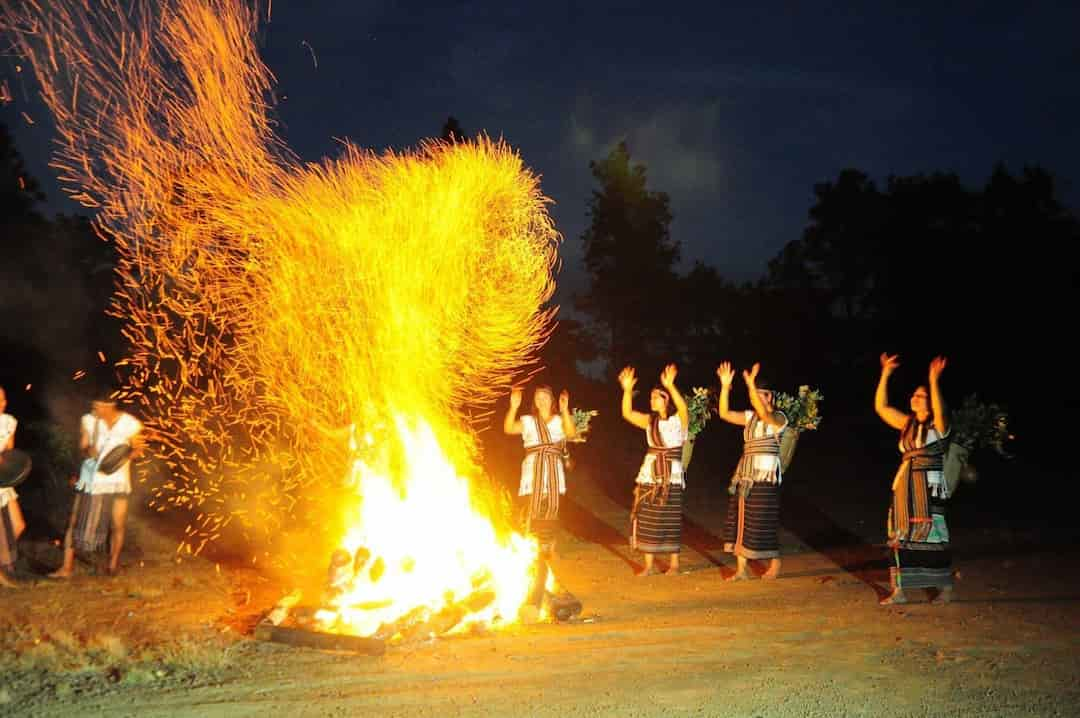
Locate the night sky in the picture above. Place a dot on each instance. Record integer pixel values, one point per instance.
(735, 111)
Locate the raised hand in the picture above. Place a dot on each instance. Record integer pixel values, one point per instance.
(889, 363)
(725, 373)
(667, 377)
(627, 378)
(515, 397)
(750, 375)
(937, 365)
(564, 401)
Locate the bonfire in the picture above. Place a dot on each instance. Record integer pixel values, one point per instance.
(397, 293)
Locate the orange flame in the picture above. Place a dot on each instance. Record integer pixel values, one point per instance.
(269, 302)
(425, 545)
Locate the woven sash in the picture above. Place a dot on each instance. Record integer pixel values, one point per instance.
(545, 473)
(746, 475)
(663, 456)
(911, 520)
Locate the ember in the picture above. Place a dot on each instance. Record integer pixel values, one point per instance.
(268, 301)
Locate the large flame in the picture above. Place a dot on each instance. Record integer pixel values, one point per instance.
(424, 544)
(270, 302)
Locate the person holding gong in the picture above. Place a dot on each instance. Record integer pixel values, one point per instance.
(11, 518)
(109, 438)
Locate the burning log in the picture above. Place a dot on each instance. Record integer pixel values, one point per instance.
(317, 639)
(340, 575)
(405, 624)
(561, 606)
(421, 622)
(281, 609)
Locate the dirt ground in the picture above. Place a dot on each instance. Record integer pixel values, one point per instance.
(169, 639)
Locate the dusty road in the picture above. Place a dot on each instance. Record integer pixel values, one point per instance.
(814, 643)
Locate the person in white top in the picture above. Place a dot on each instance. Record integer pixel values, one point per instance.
(918, 534)
(544, 434)
(656, 518)
(99, 514)
(543, 476)
(753, 517)
(12, 523)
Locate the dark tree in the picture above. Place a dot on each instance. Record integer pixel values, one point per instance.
(19, 192)
(451, 131)
(929, 266)
(630, 259)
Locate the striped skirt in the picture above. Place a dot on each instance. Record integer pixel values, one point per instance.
(545, 531)
(658, 529)
(93, 521)
(753, 522)
(543, 528)
(924, 564)
(9, 550)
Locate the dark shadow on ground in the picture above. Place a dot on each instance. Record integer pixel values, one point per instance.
(584, 525)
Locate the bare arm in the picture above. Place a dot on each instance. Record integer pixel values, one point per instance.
(569, 429)
(11, 441)
(936, 401)
(667, 380)
(511, 422)
(726, 374)
(84, 441)
(772, 419)
(680, 407)
(893, 417)
(627, 379)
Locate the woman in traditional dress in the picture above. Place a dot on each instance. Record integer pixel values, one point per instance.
(11, 518)
(656, 519)
(543, 475)
(753, 516)
(918, 534)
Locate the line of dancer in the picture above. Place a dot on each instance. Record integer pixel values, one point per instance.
(918, 536)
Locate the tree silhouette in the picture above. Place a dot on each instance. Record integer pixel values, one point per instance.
(19, 192)
(837, 249)
(451, 131)
(931, 266)
(629, 258)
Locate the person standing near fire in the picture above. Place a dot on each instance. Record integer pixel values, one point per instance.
(99, 514)
(544, 434)
(918, 534)
(753, 516)
(656, 518)
(12, 523)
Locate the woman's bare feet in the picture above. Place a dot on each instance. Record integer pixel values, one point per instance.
(944, 595)
(647, 569)
(897, 596)
(7, 582)
(61, 572)
(774, 570)
(738, 576)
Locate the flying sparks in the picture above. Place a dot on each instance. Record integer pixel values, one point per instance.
(268, 302)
